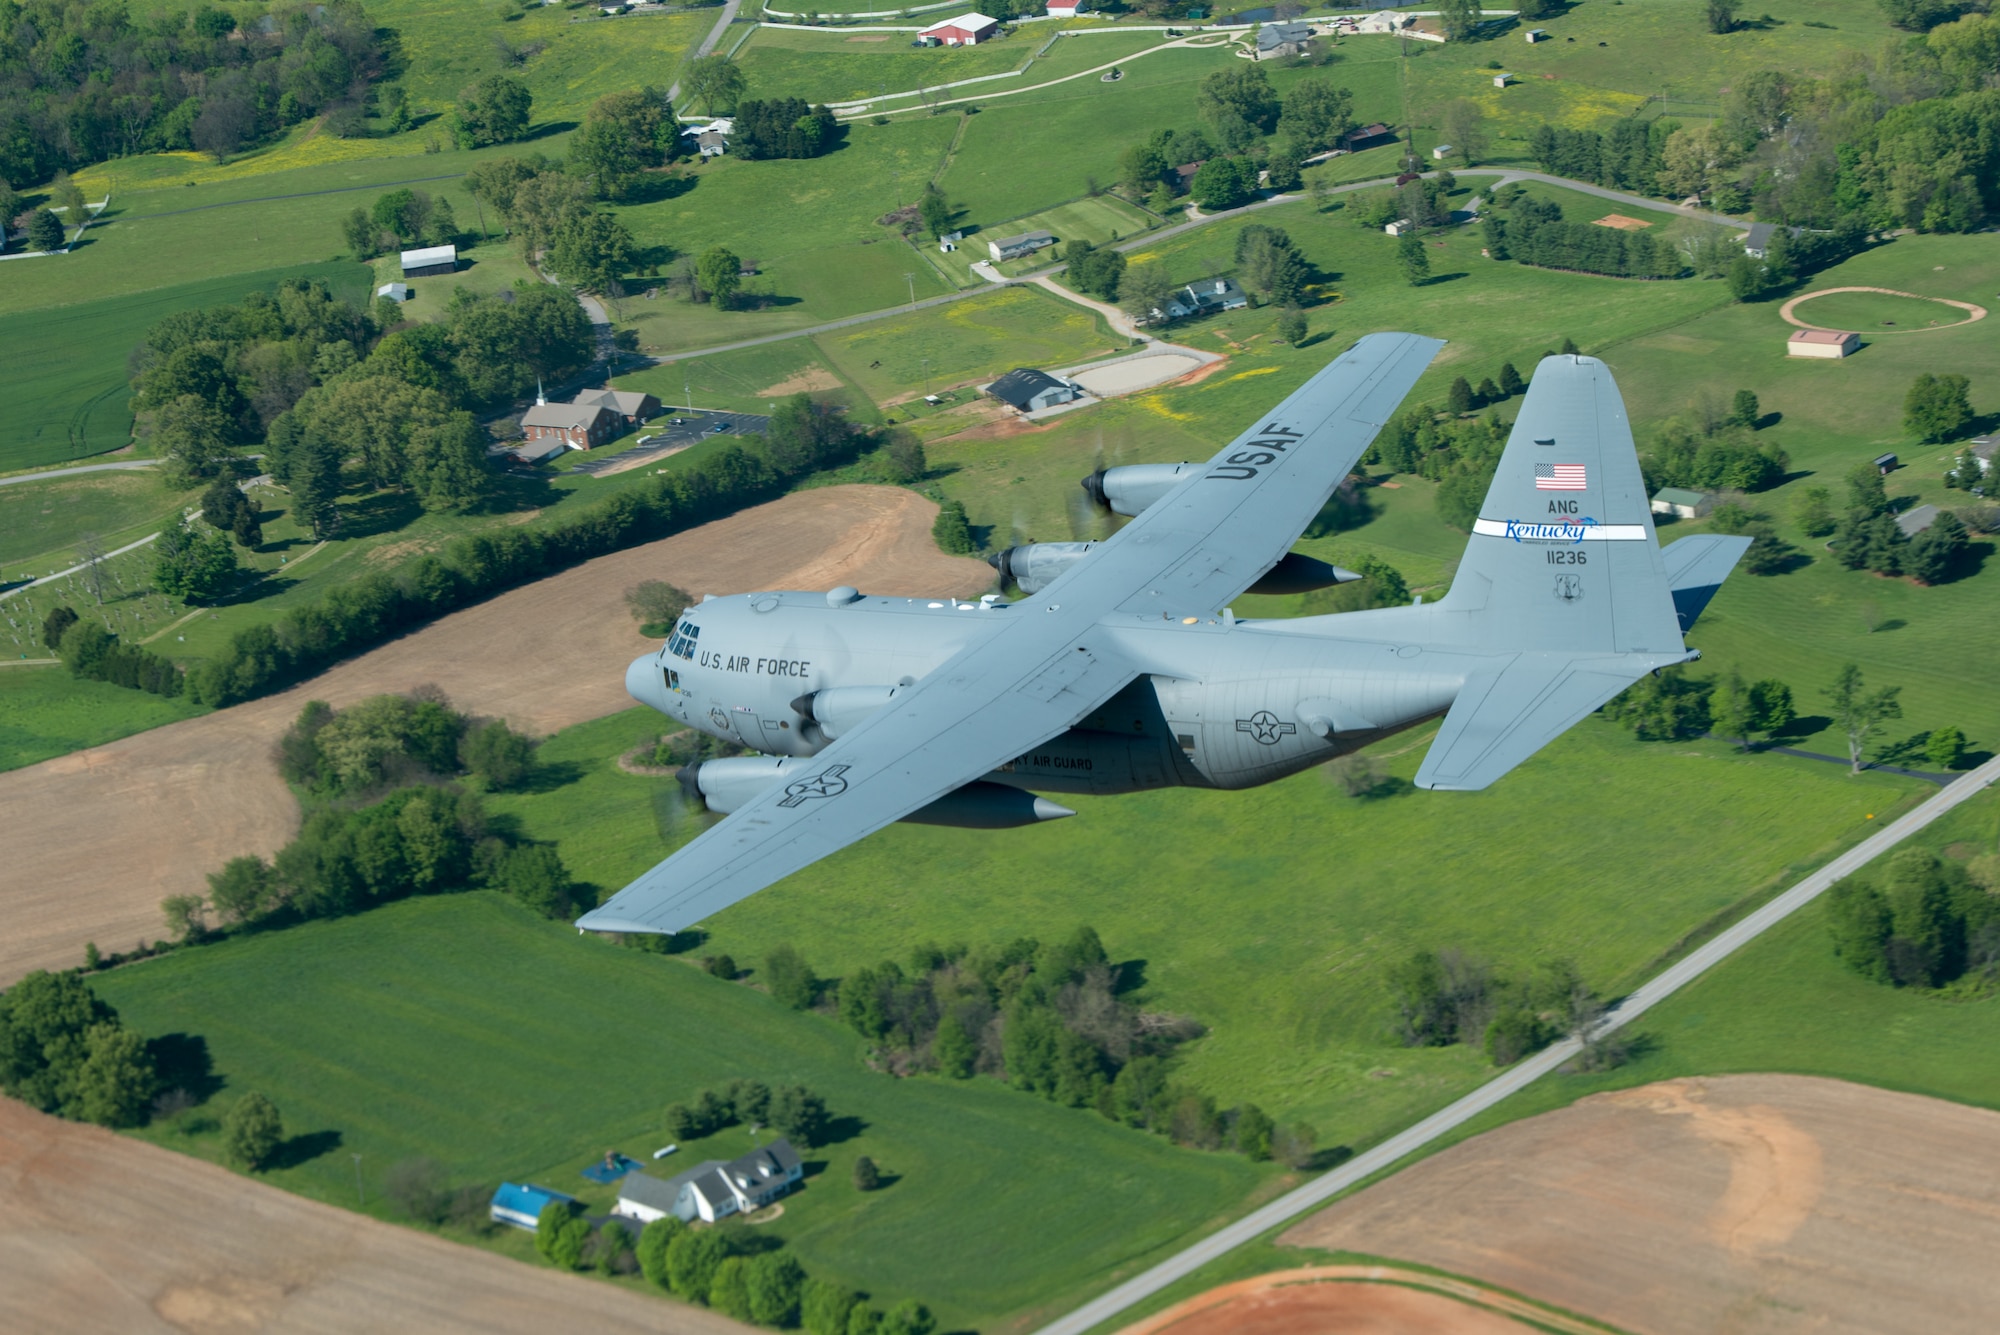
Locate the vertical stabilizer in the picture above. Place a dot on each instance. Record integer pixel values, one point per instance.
(1563, 556)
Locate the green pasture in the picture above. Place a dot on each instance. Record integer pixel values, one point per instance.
(749, 380)
(836, 66)
(506, 1047)
(484, 268)
(975, 339)
(1874, 315)
(45, 712)
(66, 370)
(1099, 219)
(40, 521)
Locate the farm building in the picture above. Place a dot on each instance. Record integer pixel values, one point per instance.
(1831, 343)
(1014, 247)
(1027, 390)
(396, 291)
(580, 426)
(430, 260)
(520, 1205)
(634, 407)
(1439, 152)
(1368, 136)
(965, 30)
(714, 1189)
(1275, 40)
(1682, 503)
(1915, 520)
(1502, 80)
(949, 241)
(1068, 9)
(1203, 298)
(1536, 35)
(1886, 464)
(1384, 20)
(1398, 227)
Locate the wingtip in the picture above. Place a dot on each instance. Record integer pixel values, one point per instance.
(599, 921)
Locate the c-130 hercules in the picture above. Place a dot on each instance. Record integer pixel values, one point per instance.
(1122, 668)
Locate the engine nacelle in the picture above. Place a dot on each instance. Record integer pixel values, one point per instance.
(841, 709)
(1034, 566)
(724, 785)
(1130, 488)
(1298, 573)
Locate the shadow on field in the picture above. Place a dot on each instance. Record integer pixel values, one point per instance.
(296, 1150)
(545, 131)
(183, 1062)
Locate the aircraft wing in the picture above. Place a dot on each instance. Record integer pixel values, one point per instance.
(1049, 664)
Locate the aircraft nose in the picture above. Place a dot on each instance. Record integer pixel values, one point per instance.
(645, 683)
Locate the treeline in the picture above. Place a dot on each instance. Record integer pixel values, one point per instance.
(64, 1050)
(360, 613)
(792, 1110)
(1711, 447)
(1052, 1019)
(1671, 705)
(1460, 454)
(548, 212)
(1532, 231)
(82, 82)
(1447, 997)
(782, 127)
(93, 653)
(1920, 921)
(385, 821)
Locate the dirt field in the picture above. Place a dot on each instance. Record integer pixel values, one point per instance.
(1754, 1204)
(101, 1233)
(96, 839)
(1355, 1300)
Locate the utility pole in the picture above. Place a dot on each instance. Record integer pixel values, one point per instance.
(927, 377)
(911, 279)
(357, 1180)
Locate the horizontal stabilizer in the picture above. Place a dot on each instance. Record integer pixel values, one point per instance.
(1696, 568)
(1507, 713)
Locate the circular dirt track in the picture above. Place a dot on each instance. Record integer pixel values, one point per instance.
(1757, 1204)
(1785, 312)
(1350, 1299)
(96, 839)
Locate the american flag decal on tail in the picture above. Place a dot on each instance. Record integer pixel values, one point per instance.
(1559, 477)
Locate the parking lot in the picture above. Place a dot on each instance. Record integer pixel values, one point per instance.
(670, 433)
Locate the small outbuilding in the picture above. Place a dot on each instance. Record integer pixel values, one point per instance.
(1886, 464)
(1536, 35)
(1682, 503)
(430, 260)
(711, 143)
(1502, 80)
(1027, 390)
(1439, 152)
(1916, 519)
(1827, 343)
(1398, 227)
(1014, 247)
(1367, 136)
(965, 30)
(396, 291)
(520, 1205)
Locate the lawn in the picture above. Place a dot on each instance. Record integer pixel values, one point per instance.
(45, 712)
(1876, 314)
(484, 268)
(845, 67)
(979, 338)
(750, 380)
(385, 1036)
(1099, 219)
(40, 521)
(66, 370)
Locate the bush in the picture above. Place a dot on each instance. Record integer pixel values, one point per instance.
(654, 1239)
(498, 754)
(789, 977)
(692, 1260)
(418, 1187)
(655, 602)
(774, 1282)
(824, 1307)
(252, 1132)
(866, 1176)
(950, 530)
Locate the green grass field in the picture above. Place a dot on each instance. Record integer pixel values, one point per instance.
(66, 370)
(978, 338)
(1875, 314)
(845, 67)
(1099, 220)
(503, 1046)
(45, 712)
(39, 521)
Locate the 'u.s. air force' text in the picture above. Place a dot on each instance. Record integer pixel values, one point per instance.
(1255, 455)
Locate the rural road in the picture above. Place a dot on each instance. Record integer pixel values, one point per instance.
(1643, 998)
(708, 43)
(48, 473)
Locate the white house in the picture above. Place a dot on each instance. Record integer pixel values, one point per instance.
(1832, 344)
(1014, 247)
(965, 30)
(713, 1190)
(430, 260)
(1209, 295)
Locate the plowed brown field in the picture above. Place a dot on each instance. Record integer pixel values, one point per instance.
(95, 840)
(99, 1233)
(1753, 1204)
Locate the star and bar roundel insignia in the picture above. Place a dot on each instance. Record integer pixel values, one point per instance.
(826, 783)
(1265, 727)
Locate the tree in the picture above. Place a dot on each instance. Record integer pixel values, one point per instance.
(905, 455)
(1221, 183)
(1813, 512)
(1460, 17)
(45, 231)
(1730, 709)
(1744, 409)
(185, 915)
(1464, 127)
(1945, 748)
(654, 602)
(953, 1048)
(359, 233)
(866, 1176)
(58, 620)
(193, 436)
(1412, 259)
(1267, 261)
(493, 111)
(45, 1024)
(950, 530)
(1771, 709)
(1859, 712)
(715, 82)
(498, 754)
(1458, 399)
(1866, 495)
(1316, 115)
(1510, 380)
(908, 1317)
(935, 210)
(1295, 1145)
(1252, 1132)
(1243, 93)
(692, 1258)
(789, 977)
(720, 273)
(252, 1132)
(654, 1239)
(824, 1307)
(1291, 325)
(1145, 289)
(195, 564)
(728, 1293)
(774, 1281)
(1934, 554)
(799, 1113)
(1937, 408)
(117, 1080)
(1720, 16)
(592, 250)
(1095, 271)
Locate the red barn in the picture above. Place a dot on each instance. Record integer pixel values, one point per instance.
(965, 30)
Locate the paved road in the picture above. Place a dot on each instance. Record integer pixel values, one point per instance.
(48, 473)
(708, 43)
(1643, 999)
(50, 579)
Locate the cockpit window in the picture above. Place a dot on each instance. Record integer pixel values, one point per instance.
(681, 643)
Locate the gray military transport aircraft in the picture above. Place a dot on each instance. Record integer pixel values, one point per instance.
(1123, 669)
